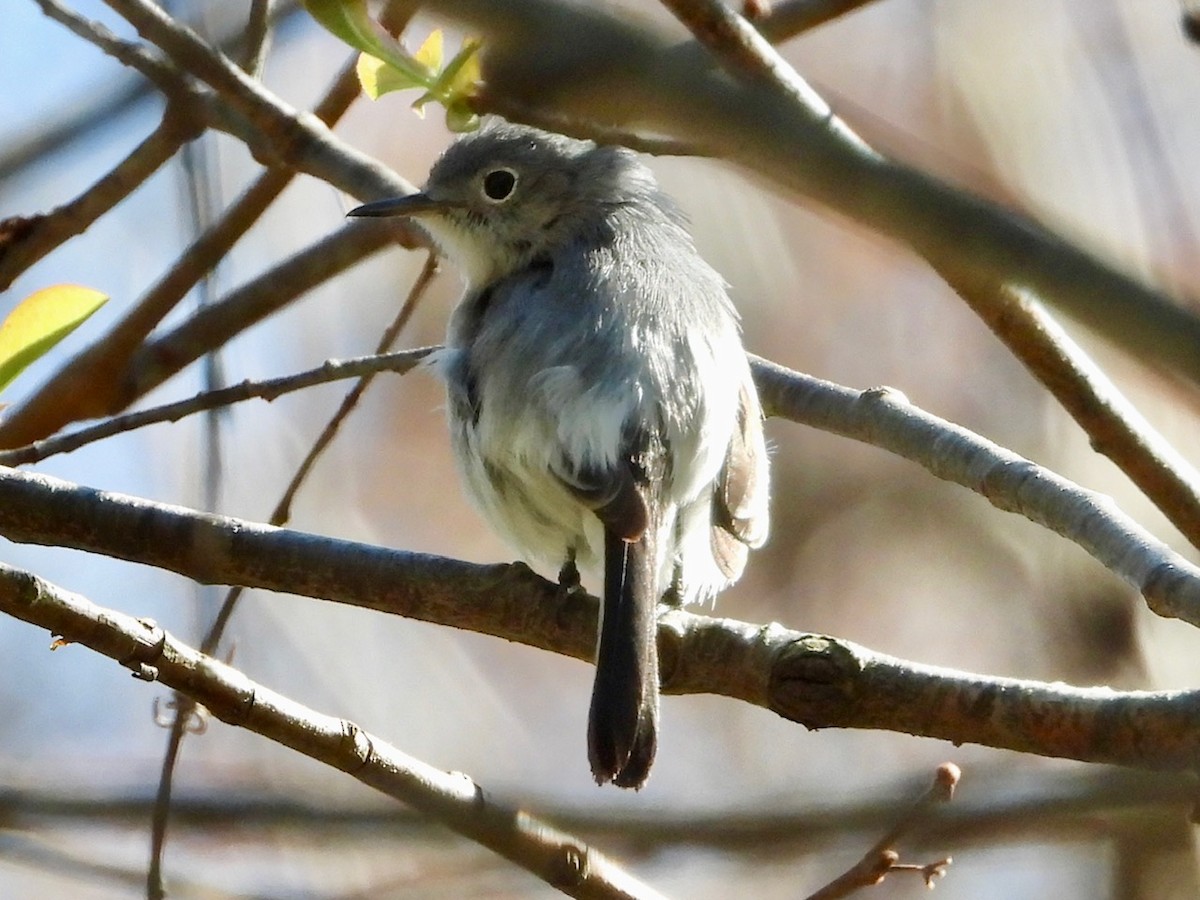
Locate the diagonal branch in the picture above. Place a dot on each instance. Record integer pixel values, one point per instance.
(1027, 330)
(559, 859)
(98, 380)
(25, 240)
(885, 418)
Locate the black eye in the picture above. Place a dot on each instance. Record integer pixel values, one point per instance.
(498, 184)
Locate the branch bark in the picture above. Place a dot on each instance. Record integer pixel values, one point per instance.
(812, 679)
(559, 859)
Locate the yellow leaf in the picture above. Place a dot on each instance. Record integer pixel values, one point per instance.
(464, 69)
(378, 78)
(429, 54)
(39, 322)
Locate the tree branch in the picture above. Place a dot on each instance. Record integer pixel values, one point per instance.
(882, 858)
(884, 417)
(25, 240)
(1028, 331)
(815, 680)
(628, 77)
(101, 379)
(269, 389)
(559, 859)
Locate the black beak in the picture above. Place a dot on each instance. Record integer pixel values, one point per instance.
(412, 205)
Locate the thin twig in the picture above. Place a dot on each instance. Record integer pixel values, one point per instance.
(161, 73)
(559, 859)
(95, 382)
(154, 362)
(185, 709)
(789, 18)
(1031, 804)
(883, 858)
(258, 33)
(74, 121)
(26, 240)
(275, 132)
(162, 357)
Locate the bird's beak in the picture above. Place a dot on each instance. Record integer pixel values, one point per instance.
(412, 205)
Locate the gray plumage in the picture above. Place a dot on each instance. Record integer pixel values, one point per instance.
(600, 402)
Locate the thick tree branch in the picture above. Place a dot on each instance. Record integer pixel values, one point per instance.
(628, 77)
(881, 417)
(559, 859)
(811, 679)
(1026, 329)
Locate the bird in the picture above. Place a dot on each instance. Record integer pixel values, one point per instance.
(601, 407)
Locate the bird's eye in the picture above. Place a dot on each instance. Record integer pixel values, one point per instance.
(498, 184)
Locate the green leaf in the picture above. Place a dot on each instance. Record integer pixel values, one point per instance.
(39, 322)
(385, 66)
(460, 117)
(351, 21)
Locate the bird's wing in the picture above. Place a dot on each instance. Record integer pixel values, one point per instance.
(740, 509)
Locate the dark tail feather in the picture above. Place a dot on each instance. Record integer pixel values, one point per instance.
(623, 722)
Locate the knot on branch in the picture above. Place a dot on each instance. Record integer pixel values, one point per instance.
(811, 677)
(570, 867)
(146, 650)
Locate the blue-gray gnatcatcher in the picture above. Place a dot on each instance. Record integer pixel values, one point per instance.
(600, 402)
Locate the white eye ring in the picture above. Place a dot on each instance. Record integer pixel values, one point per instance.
(498, 184)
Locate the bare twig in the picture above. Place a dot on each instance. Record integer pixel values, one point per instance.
(160, 358)
(1053, 804)
(789, 18)
(96, 381)
(811, 679)
(559, 859)
(154, 362)
(185, 708)
(163, 75)
(100, 108)
(276, 133)
(24, 241)
(258, 34)
(882, 858)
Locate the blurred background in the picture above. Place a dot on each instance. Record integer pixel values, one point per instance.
(1081, 112)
